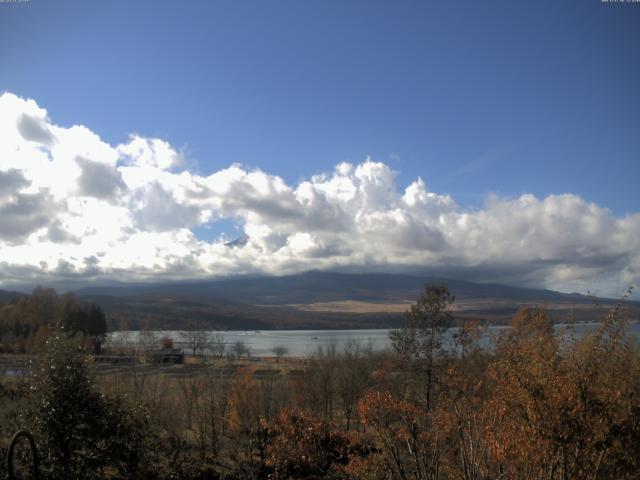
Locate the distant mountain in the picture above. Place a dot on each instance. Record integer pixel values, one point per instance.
(7, 296)
(317, 300)
(183, 311)
(238, 242)
(315, 286)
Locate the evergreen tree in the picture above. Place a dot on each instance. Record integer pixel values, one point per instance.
(420, 339)
(82, 433)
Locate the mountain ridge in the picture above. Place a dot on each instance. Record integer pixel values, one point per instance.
(318, 300)
(339, 286)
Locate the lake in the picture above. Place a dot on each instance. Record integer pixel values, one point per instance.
(301, 343)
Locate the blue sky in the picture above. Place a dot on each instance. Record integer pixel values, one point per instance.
(474, 97)
(485, 102)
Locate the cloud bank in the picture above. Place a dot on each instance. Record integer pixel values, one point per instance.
(74, 208)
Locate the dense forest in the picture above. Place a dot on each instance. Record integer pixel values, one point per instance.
(538, 404)
(26, 320)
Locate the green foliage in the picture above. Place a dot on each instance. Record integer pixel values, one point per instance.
(420, 340)
(427, 320)
(82, 433)
(87, 319)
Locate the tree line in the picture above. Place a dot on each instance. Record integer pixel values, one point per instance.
(25, 322)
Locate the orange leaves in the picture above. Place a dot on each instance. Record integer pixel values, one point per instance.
(242, 408)
(406, 440)
(376, 407)
(303, 447)
(382, 410)
(568, 401)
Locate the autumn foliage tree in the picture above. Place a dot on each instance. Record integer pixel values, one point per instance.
(26, 321)
(406, 439)
(545, 404)
(576, 400)
(246, 423)
(304, 447)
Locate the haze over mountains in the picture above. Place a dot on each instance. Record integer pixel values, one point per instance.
(318, 300)
(317, 286)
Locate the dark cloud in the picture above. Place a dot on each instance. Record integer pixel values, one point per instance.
(159, 211)
(11, 181)
(92, 266)
(57, 234)
(242, 196)
(22, 214)
(12, 272)
(64, 269)
(99, 180)
(35, 130)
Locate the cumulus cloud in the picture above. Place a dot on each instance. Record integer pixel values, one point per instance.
(34, 129)
(11, 181)
(154, 208)
(23, 214)
(98, 179)
(76, 207)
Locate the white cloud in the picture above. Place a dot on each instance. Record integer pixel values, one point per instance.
(75, 207)
(149, 153)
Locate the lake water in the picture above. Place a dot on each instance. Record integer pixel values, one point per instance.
(301, 343)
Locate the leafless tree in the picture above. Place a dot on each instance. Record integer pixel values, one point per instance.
(190, 387)
(122, 342)
(217, 344)
(240, 349)
(324, 369)
(279, 351)
(149, 340)
(353, 377)
(196, 340)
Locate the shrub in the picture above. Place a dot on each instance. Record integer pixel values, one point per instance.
(82, 433)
